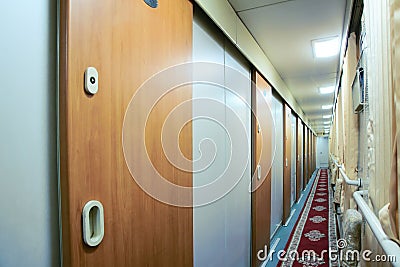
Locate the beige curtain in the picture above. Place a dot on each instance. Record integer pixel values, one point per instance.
(350, 119)
(340, 145)
(395, 171)
(380, 135)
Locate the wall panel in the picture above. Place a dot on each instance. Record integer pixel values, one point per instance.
(299, 158)
(277, 167)
(29, 226)
(222, 229)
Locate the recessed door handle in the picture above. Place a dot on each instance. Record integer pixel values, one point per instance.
(93, 223)
(258, 172)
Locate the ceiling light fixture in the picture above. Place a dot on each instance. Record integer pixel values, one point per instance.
(326, 90)
(326, 47)
(327, 116)
(327, 122)
(327, 106)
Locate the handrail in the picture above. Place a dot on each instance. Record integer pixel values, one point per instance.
(348, 181)
(390, 247)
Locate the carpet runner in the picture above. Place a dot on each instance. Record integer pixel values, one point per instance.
(314, 233)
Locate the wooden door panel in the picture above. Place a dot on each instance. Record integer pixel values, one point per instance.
(287, 163)
(299, 136)
(309, 154)
(305, 170)
(261, 198)
(127, 42)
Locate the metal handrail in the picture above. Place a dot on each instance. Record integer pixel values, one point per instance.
(348, 181)
(390, 247)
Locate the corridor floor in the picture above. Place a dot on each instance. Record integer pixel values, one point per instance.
(307, 238)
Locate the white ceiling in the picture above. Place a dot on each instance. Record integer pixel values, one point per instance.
(284, 29)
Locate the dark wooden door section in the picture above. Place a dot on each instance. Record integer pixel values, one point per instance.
(309, 154)
(305, 170)
(127, 42)
(299, 136)
(287, 148)
(261, 198)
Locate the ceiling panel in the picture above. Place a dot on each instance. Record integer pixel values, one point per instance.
(285, 32)
(240, 5)
(285, 29)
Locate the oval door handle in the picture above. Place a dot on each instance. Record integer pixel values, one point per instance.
(93, 223)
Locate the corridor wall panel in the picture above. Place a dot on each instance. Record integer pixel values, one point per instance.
(299, 158)
(29, 226)
(277, 167)
(221, 229)
(140, 230)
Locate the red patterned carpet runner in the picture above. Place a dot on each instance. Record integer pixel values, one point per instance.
(314, 234)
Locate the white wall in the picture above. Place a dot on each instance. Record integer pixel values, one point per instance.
(277, 167)
(28, 161)
(222, 229)
(322, 152)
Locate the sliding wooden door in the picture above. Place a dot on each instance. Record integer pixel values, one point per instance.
(127, 42)
(261, 198)
(299, 156)
(287, 162)
(309, 162)
(305, 156)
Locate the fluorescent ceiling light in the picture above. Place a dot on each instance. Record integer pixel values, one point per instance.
(327, 106)
(326, 90)
(327, 122)
(327, 47)
(327, 116)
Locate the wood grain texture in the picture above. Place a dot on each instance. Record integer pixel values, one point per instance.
(315, 152)
(299, 136)
(261, 198)
(127, 42)
(287, 150)
(309, 154)
(305, 156)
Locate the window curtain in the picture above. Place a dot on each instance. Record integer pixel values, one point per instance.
(350, 130)
(393, 209)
